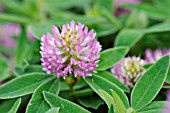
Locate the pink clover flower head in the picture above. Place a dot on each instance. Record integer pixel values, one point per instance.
(128, 70)
(7, 31)
(153, 56)
(74, 50)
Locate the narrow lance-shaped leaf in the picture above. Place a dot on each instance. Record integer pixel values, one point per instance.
(28, 69)
(163, 27)
(14, 18)
(5, 106)
(128, 37)
(15, 106)
(4, 70)
(66, 4)
(107, 75)
(21, 47)
(111, 56)
(23, 85)
(34, 68)
(167, 77)
(149, 84)
(106, 97)
(37, 103)
(117, 103)
(15, 7)
(65, 105)
(150, 10)
(154, 107)
(98, 83)
(105, 29)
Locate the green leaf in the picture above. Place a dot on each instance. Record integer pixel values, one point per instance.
(111, 18)
(15, 7)
(14, 18)
(162, 6)
(117, 103)
(64, 86)
(21, 47)
(168, 76)
(34, 68)
(5, 106)
(111, 56)
(128, 37)
(93, 101)
(104, 29)
(106, 97)
(107, 75)
(65, 105)
(108, 5)
(111, 109)
(150, 10)
(37, 103)
(39, 29)
(66, 4)
(149, 84)
(146, 66)
(154, 107)
(23, 85)
(162, 27)
(53, 110)
(28, 69)
(4, 70)
(98, 83)
(83, 92)
(15, 106)
(28, 52)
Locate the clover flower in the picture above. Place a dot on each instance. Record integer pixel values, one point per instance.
(7, 31)
(153, 56)
(128, 70)
(74, 51)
